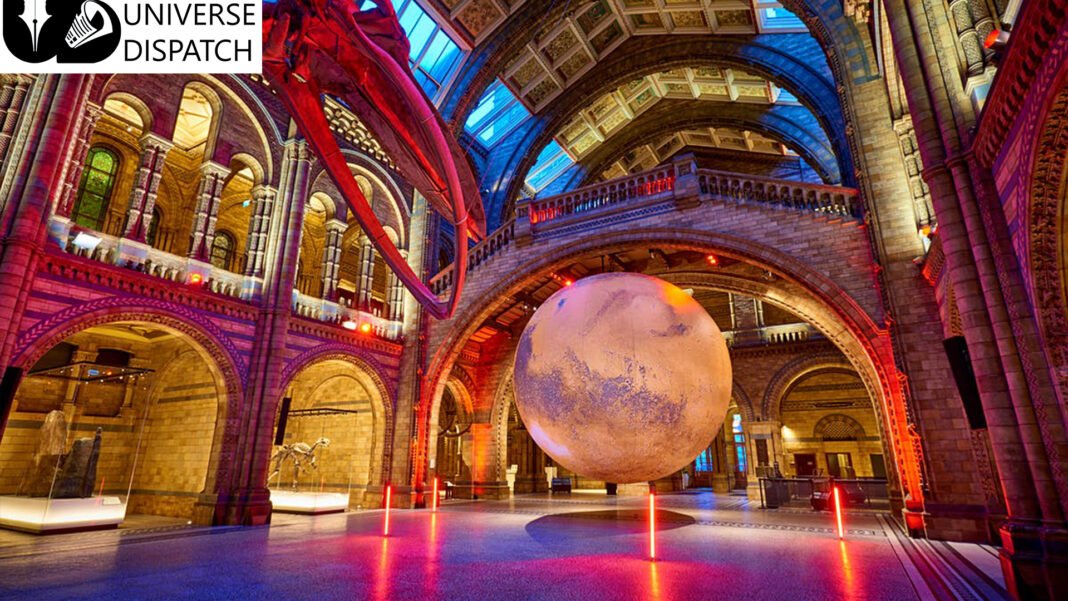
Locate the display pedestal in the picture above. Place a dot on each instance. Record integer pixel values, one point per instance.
(40, 515)
(309, 502)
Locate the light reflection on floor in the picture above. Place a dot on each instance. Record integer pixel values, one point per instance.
(529, 548)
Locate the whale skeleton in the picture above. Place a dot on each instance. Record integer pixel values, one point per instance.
(314, 48)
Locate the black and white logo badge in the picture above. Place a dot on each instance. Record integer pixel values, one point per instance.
(36, 31)
(131, 36)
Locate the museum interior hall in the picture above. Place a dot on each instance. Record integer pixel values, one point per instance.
(546, 299)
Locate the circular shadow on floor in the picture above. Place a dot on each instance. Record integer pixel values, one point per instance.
(564, 527)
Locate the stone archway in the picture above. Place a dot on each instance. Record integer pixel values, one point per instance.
(333, 377)
(791, 284)
(211, 345)
(166, 414)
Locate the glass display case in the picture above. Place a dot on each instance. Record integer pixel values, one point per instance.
(72, 446)
(311, 471)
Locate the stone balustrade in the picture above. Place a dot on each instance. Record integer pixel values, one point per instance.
(138, 256)
(649, 185)
(816, 198)
(787, 333)
(341, 314)
(680, 182)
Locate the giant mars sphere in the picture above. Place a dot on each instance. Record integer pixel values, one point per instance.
(622, 377)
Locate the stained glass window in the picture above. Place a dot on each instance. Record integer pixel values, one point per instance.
(94, 192)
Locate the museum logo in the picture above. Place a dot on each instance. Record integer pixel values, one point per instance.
(131, 36)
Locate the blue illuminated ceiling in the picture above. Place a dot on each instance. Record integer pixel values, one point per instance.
(434, 56)
(534, 140)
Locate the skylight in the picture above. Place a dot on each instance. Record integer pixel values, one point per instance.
(497, 114)
(551, 164)
(774, 18)
(434, 57)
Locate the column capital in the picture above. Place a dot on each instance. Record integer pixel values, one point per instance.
(212, 168)
(264, 192)
(336, 225)
(153, 141)
(93, 111)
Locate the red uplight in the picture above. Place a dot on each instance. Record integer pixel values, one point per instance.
(838, 512)
(385, 528)
(365, 328)
(712, 260)
(434, 499)
(991, 38)
(652, 526)
(196, 278)
(568, 282)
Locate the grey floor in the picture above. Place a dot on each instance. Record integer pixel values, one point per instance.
(535, 547)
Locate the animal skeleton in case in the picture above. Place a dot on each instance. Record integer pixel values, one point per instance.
(301, 454)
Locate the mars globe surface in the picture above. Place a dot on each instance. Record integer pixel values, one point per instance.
(622, 377)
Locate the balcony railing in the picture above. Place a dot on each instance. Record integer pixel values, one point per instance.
(337, 313)
(112, 250)
(141, 257)
(650, 185)
(534, 217)
(766, 335)
(816, 198)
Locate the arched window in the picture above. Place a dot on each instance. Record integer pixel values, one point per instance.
(94, 192)
(153, 227)
(222, 250)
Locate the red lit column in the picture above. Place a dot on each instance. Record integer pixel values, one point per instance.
(154, 151)
(245, 498)
(1014, 388)
(36, 172)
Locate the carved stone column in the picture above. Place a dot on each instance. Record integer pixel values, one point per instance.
(26, 199)
(12, 96)
(154, 151)
(335, 232)
(244, 498)
(65, 196)
(395, 291)
(262, 203)
(367, 275)
(212, 178)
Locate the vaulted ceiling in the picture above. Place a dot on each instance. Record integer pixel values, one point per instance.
(751, 78)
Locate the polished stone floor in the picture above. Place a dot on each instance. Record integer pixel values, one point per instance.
(535, 547)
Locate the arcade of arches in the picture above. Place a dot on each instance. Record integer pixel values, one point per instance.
(869, 198)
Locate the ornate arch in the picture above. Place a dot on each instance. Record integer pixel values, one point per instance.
(868, 345)
(1047, 225)
(138, 105)
(349, 354)
(742, 402)
(789, 374)
(209, 341)
(34, 342)
(370, 376)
